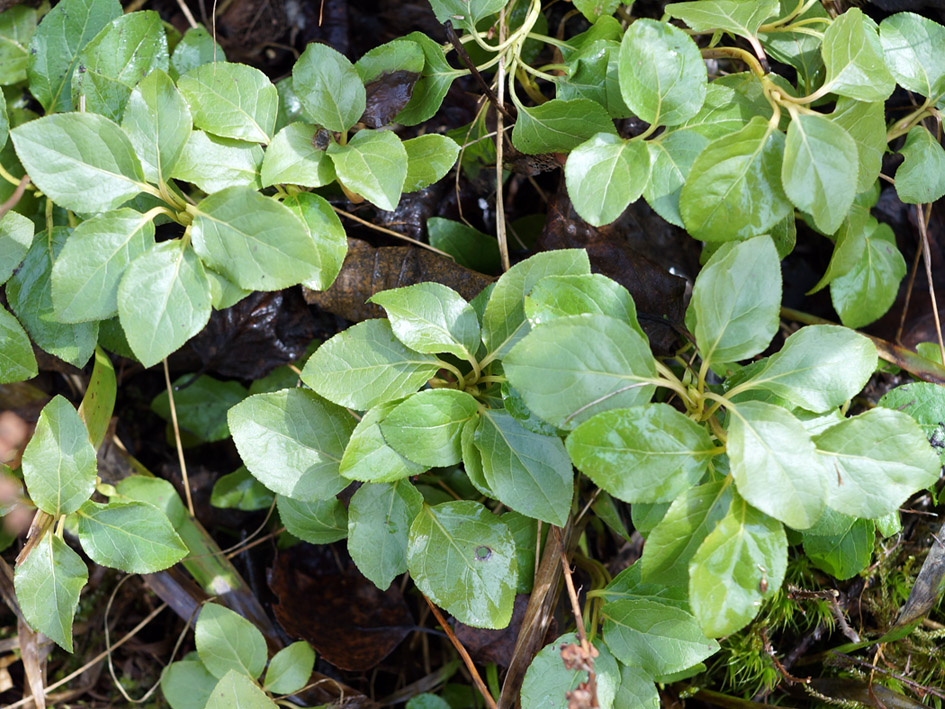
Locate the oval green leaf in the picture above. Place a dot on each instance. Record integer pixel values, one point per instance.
(132, 536)
(231, 100)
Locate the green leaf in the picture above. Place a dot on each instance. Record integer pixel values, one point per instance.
(431, 318)
(593, 74)
(741, 17)
(396, 55)
(547, 680)
(227, 642)
(435, 80)
(671, 158)
(98, 402)
(526, 471)
(290, 668)
(292, 158)
(59, 465)
(254, 240)
(379, 518)
(132, 536)
(16, 236)
(462, 557)
(820, 170)
(636, 689)
(559, 296)
(819, 368)
(87, 272)
(369, 458)
(373, 164)
(925, 402)
(605, 174)
(468, 12)
(17, 361)
(213, 163)
(662, 74)
(740, 564)
(566, 382)
(163, 300)
(730, 103)
(292, 441)
(48, 582)
(654, 636)
(240, 490)
(55, 46)
(854, 59)
(82, 161)
(195, 48)
(920, 179)
(201, 405)
(866, 124)
(329, 88)
(235, 689)
(559, 126)
(775, 465)
(427, 701)
(867, 291)
(843, 555)
(17, 25)
(503, 321)
(675, 539)
(325, 229)
(316, 522)
(911, 46)
(736, 301)
(848, 250)
(186, 684)
(367, 365)
(157, 121)
(117, 58)
(429, 158)
(231, 101)
(426, 426)
(594, 9)
(879, 458)
(469, 247)
(648, 453)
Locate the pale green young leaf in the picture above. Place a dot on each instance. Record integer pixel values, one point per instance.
(662, 75)
(649, 453)
(369, 458)
(326, 231)
(329, 88)
(853, 55)
(671, 158)
(566, 382)
(16, 236)
(163, 300)
(741, 17)
(866, 124)
(196, 47)
(559, 296)
(435, 80)
(117, 58)
(257, 242)
(527, 472)
(17, 361)
(468, 247)
(201, 405)
(655, 636)
(48, 582)
(214, 163)
(912, 49)
(503, 321)
(240, 490)
(82, 161)
(226, 642)
(224, 293)
(379, 519)
(157, 121)
(559, 126)
(426, 426)
(775, 465)
(877, 459)
(462, 557)
(547, 680)
(290, 668)
(734, 186)
(730, 102)
(843, 555)
(87, 272)
(429, 158)
(736, 300)
(605, 174)
(594, 9)
(819, 368)
(316, 522)
(131, 536)
(593, 74)
(740, 564)
(55, 46)
(292, 442)
(231, 101)
(867, 291)
(17, 25)
(820, 169)
(676, 537)
(472, 458)
(237, 691)
(367, 365)
(431, 318)
(291, 158)
(186, 684)
(920, 179)
(373, 164)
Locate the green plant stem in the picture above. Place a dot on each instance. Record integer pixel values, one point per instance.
(801, 7)
(904, 125)
(735, 53)
(561, 44)
(671, 381)
(10, 178)
(460, 379)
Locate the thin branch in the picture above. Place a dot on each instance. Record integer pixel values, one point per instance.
(180, 447)
(923, 215)
(469, 64)
(15, 197)
(390, 232)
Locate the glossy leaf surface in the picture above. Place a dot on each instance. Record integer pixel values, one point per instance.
(131, 536)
